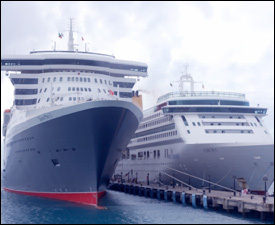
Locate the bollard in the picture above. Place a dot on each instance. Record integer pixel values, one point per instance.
(205, 202)
(183, 198)
(194, 200)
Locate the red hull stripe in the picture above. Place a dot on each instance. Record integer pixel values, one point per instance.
(89, 198)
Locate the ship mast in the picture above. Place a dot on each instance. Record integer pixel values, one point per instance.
(71, 37)
(186, 78)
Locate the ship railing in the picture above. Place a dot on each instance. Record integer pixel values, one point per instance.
(198, 178)
(201, 94)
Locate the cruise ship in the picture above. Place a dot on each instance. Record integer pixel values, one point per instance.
(197, 138)
(71, 118)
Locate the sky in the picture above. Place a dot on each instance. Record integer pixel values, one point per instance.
(229, 46)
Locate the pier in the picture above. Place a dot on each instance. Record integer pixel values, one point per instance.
(208, 199)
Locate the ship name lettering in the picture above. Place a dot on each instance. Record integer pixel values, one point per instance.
(45, 117)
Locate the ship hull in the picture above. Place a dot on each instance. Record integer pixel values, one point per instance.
(249, 163)
(70, 153)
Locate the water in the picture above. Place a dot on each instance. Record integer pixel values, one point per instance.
(121, 209)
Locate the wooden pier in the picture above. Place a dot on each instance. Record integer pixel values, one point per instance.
(245, 204)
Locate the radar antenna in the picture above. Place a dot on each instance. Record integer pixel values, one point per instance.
(186, 78)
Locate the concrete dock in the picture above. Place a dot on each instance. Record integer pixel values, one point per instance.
(245, 204)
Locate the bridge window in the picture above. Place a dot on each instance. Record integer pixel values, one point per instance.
(25, 101)
(26, 91)
(24, 81)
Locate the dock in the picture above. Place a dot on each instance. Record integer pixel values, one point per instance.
(208, 199)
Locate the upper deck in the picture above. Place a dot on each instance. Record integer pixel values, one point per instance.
(54, 61)
(202, 95)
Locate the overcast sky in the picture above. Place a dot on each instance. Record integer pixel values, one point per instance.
(229, 46)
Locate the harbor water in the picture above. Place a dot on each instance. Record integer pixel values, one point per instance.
(121, 208)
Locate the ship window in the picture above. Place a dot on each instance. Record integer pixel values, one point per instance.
(45, 90)
(69, 88)
(72, 78)
(54, 79)
(61, 99)
(76, 79)
(84, 79)
(24, 81)
(85, 89)
(188, 131)
(199, 124)
(184, 120)
(25, 91)
(90, 90)
(80, 79)
(43, 80)
(89, 80)
(74, 98)
(105, 81)
(49, 79)
(81, 89)
(70, 98)
(60, 79)
(73, 89)
(95, 80)
(58, 89)
(100, 81)
(77, 89)
(125, 94)
(123, 84)
(99, 91)
(194, 124)
(68, 79)
(48, 99)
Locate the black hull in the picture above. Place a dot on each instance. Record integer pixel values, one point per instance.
(70, 150)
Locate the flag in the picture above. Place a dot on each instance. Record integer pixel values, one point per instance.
(111, 93)
(82, 38)
(60, 35)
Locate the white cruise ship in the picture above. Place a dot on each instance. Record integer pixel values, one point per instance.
(72, 116)
(200, 136)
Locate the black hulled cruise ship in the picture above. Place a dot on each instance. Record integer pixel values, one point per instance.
(71, 118)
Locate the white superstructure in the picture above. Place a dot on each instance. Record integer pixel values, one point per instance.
(58, 79)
